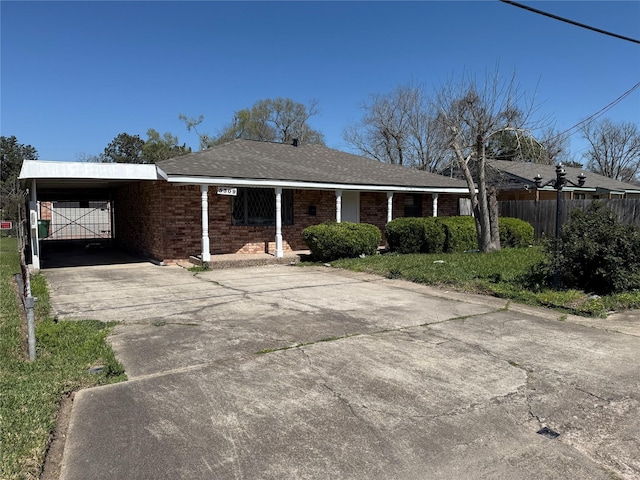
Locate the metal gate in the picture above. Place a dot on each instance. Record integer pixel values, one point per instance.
(76, 220)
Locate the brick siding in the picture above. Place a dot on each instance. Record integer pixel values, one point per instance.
(163, 221)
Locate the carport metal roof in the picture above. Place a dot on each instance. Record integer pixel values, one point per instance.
(71, 180)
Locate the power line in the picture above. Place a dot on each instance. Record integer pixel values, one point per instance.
(599, 112)
(572, 22)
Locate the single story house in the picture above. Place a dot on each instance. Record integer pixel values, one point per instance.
(517, 183)
(244, 196)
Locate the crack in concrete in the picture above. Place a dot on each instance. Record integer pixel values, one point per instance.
(403, 329)
(380, 440)
(607, 401)
(267, 291)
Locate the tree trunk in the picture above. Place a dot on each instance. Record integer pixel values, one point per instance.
(494, 214)
(485, 243)
(464, 165)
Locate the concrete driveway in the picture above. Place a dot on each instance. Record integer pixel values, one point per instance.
(359, 377)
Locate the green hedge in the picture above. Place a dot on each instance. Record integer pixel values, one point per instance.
(450, 234)
(415, 235)
(460, 234)
(330, 241)
(515, 233)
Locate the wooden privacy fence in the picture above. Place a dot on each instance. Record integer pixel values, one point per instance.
(542, 213)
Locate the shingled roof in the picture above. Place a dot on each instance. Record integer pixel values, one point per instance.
(524, 172)
(307, 164)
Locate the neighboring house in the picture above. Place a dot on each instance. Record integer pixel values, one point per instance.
(244, 196)
(516, 182)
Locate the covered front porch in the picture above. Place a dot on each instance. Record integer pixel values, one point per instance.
(346, 207)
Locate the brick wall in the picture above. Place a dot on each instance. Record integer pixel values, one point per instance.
(448, 205)
(163, 221)
(139, 211)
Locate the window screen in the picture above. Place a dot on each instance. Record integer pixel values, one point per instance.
(257, 206)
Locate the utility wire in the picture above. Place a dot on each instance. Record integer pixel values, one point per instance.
(599, 112)
(572, 22)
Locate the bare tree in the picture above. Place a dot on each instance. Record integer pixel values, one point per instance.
(192, 123)
(470, 114)
(556, 148)
(523, 146)
(615, 149)
(399, 128)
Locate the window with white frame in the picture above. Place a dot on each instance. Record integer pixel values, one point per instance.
(257, 206)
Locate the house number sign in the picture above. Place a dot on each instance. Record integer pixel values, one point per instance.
(227, 191)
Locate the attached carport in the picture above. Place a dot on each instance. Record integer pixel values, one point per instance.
(86, 188)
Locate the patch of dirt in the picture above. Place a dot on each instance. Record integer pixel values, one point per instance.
(53, 459)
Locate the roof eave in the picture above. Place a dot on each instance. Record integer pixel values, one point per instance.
(569, 189)
(269, 183)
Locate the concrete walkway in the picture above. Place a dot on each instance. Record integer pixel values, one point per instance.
(359, 377)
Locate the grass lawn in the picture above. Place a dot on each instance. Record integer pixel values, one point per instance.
(31, 392)
(503, 274)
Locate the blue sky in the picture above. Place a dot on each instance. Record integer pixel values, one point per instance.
(76, 74)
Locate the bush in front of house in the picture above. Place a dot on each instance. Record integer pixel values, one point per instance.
(597, 253)
(405, 235)
(460, 234)
(330, 241)
(450, 234)
(435, 236)
(515, 233)
(415, 235)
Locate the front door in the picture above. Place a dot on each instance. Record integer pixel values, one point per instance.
(350, 207)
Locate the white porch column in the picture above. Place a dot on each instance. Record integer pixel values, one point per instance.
(389, 215)
(279, 252)
(206, 253)
(338, 206)
(33, 221)
(435, 204)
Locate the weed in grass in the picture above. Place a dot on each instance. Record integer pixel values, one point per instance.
(203, 267)
(394, 273)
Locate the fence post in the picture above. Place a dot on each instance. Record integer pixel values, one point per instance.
(29, 301)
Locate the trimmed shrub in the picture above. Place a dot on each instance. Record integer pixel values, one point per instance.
(515, 233)
(405, 235)
(450, 234)
(330, 241)
(460, 233)
(597, 253)
(415, 235)
(434, 236)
